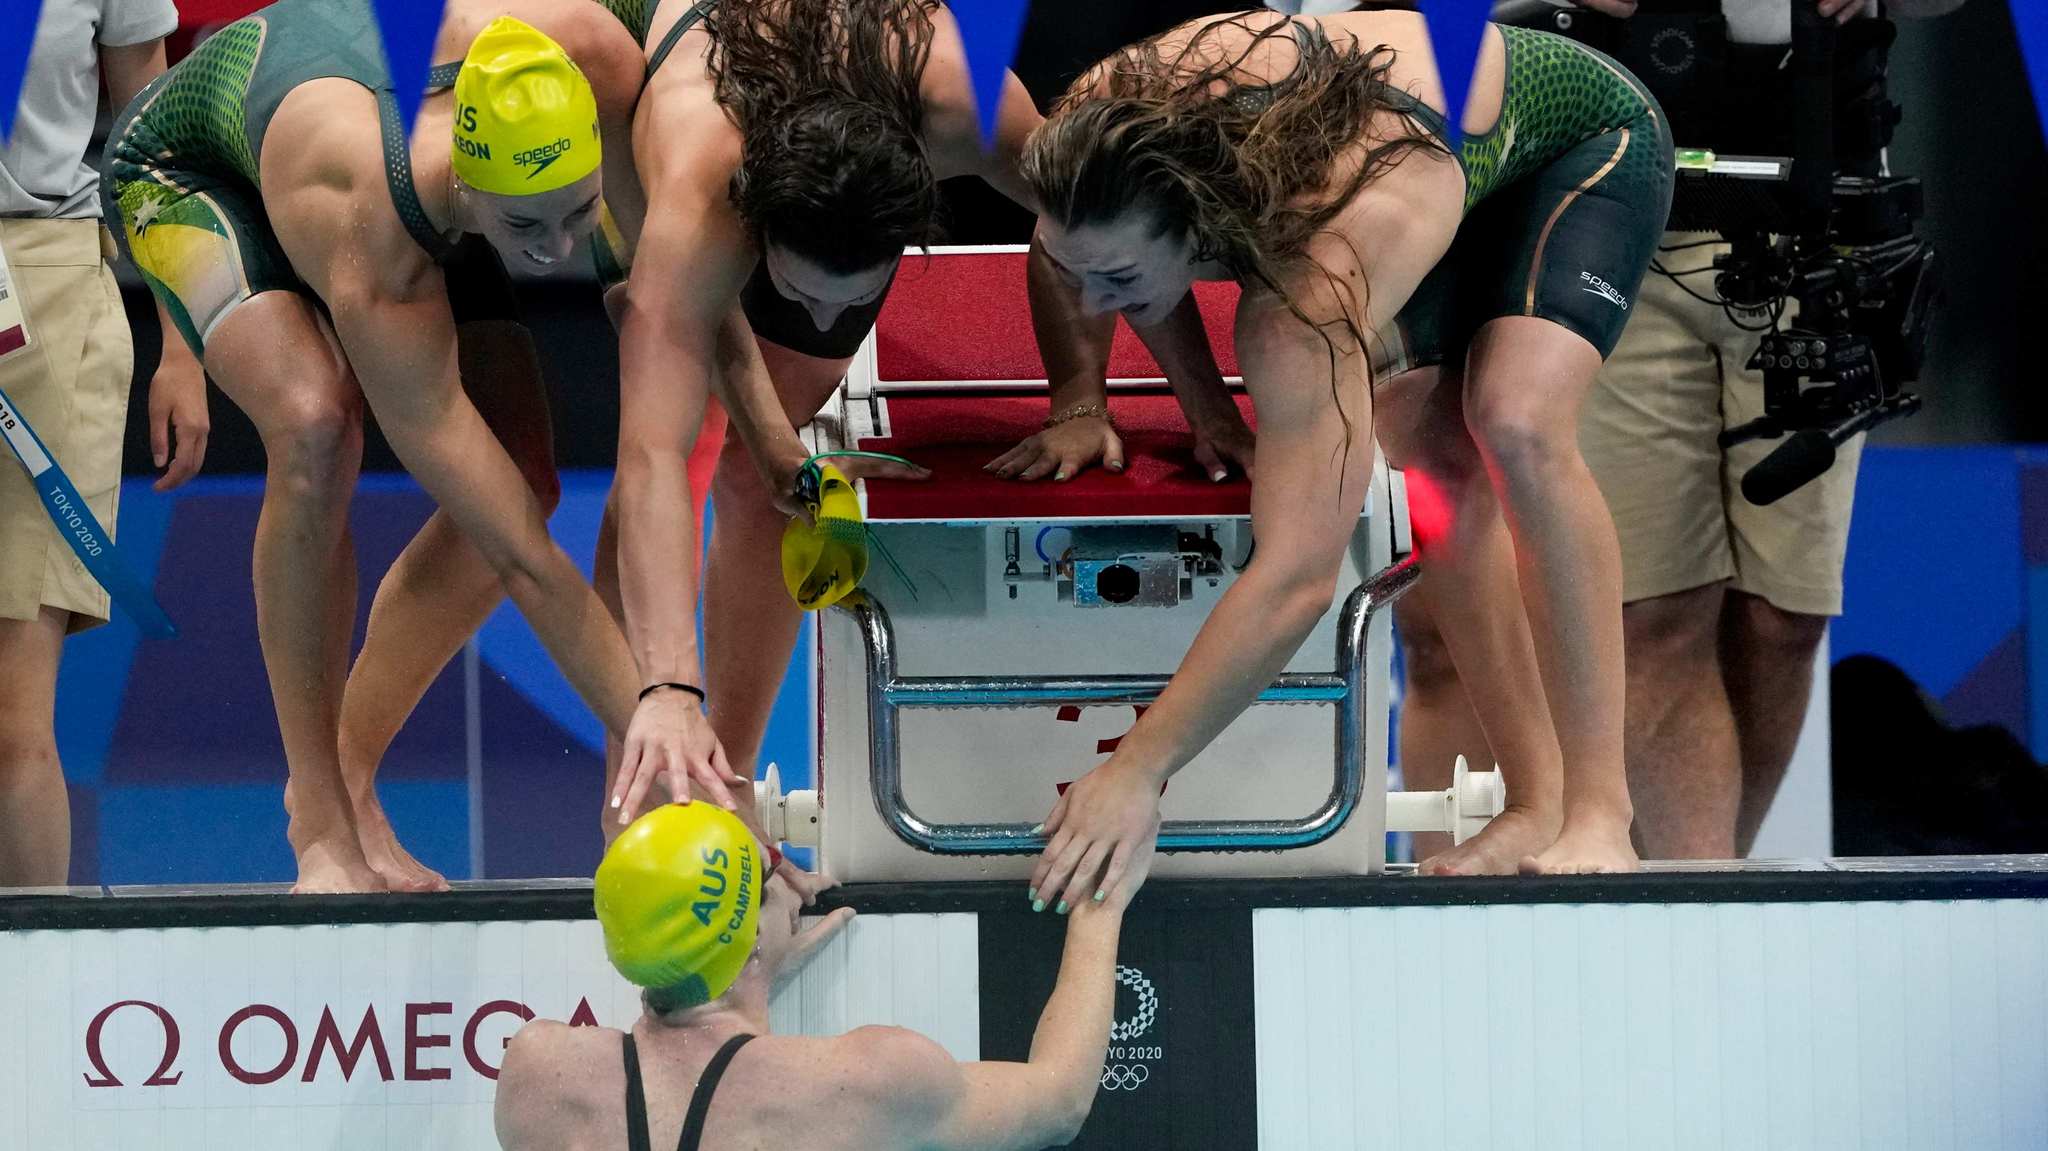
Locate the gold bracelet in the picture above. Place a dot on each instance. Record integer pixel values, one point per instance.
(1081, 412)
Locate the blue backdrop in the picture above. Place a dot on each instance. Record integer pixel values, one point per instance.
(177, 773)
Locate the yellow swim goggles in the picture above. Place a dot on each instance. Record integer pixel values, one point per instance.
(825, 559)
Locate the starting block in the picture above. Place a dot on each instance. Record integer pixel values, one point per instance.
(1008, 634)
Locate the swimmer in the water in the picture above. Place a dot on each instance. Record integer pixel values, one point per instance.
(315, 259)
(693, 913)
(788, 152)
(1305, 159)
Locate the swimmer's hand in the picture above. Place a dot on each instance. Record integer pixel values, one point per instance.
(1223, 443)
(671, 738)
(780, 476)
(1062, 451)
(1103, 833)
(179, 422)
(810, 940)
(806, 884)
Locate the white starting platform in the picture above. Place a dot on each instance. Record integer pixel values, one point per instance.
(1008, 633)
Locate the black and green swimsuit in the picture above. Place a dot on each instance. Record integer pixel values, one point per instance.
(182, 170)
(1565, 200)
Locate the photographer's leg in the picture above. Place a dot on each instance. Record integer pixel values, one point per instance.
(1788, 584)
(1684, 775)
(1768, 656)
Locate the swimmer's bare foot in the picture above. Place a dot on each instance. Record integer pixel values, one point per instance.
(329, 861)
(334, 866)
(1589, 844)
(1510, 837)
(386, 856)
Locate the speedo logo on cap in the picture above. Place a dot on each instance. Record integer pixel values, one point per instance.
(540, 158)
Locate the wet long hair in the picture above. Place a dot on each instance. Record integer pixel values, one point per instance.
(1193, 138)
(825, 95)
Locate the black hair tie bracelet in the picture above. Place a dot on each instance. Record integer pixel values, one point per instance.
(651, 688)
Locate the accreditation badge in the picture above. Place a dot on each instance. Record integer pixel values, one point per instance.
(14, 335)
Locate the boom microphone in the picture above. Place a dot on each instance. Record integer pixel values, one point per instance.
(1799, 460)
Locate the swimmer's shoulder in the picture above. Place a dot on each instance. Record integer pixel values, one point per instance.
(886, 1083)
(324, 183)
(546, 1053)
(909, 1077)
(326, 132)
(554, 1083)
(682, 136)
(951, 116)
(685, 132)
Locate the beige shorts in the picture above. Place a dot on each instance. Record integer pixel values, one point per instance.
(1649, 433)
(71, 383)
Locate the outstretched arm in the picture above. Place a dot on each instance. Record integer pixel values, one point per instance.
(668, 340)
(1316, 459)
(1304, 509)
(937, 1104)
(402, 348)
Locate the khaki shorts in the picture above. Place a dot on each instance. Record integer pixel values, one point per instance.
(1649, 433)
(71, 383)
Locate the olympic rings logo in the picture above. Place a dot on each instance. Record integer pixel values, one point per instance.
(1123, 1031)
(1124, 1076)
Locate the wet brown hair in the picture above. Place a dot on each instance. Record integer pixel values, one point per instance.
(825, 94)
(1193, 137)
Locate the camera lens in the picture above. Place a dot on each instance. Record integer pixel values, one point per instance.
(1117, 583)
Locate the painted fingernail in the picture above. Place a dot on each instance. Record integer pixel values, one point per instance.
(1100, 895)
(1061, 909)
(1031, 893)
(1038, 830)
(1059, 475)
(1218, 475)
(1038, 905)
(616, 801)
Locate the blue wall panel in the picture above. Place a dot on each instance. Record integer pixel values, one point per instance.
(173, 753)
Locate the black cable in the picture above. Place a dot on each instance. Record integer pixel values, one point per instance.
(1716, 303)
(1693, 244)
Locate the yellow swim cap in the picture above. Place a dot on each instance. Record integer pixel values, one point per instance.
(824, 560)
(525, 118)
(679, 897)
